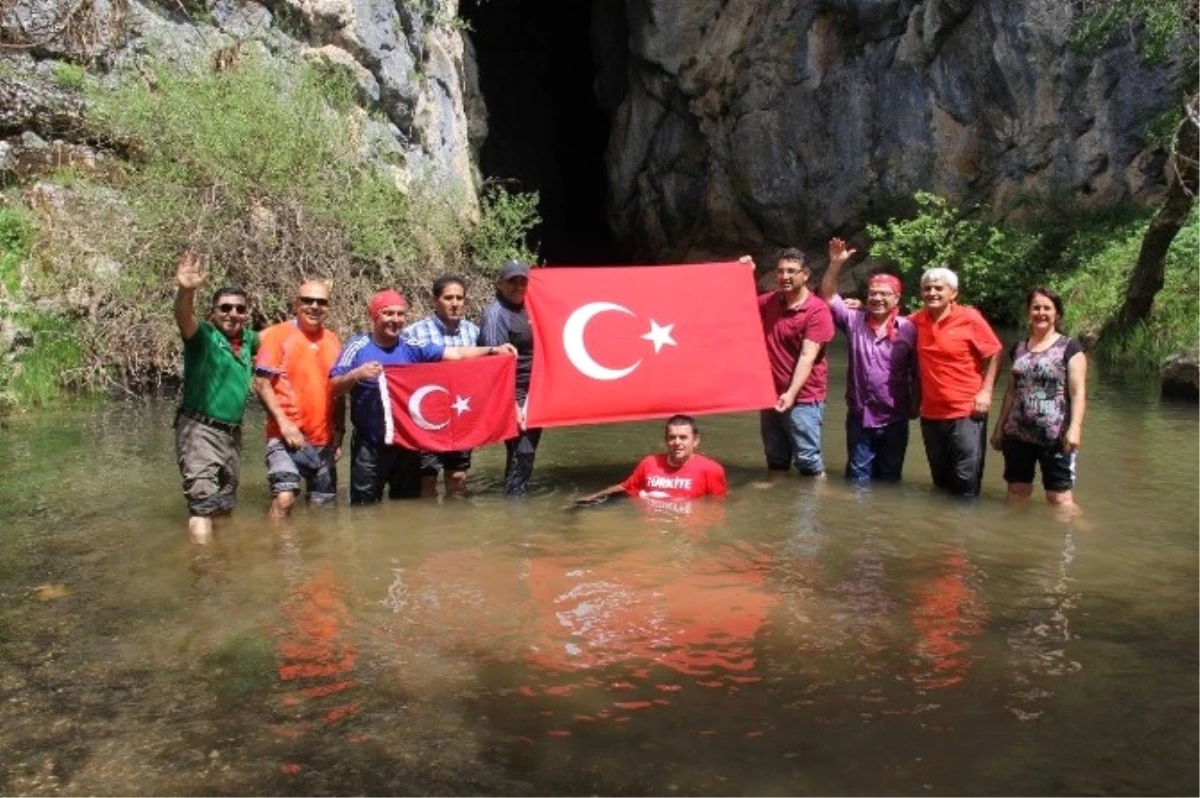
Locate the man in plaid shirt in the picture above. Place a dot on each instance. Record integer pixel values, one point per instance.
(445, 327)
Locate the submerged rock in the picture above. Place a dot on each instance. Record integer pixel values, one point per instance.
(1181, 376)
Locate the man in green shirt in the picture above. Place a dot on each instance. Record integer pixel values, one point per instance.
(218, 360)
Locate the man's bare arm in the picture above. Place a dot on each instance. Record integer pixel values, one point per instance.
(983, 399)
(809, 351)
(471, 352)
(266, 394)
(611, 490)
(340, 386)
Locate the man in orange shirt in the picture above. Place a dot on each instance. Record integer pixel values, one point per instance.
(305, 424)
(957, 361)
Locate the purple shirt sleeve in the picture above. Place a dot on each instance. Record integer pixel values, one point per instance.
(841, 313)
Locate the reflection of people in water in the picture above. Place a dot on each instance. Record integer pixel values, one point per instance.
(680, 473)
(454, 600)
(316, 656)
(693, 612)
(947, 615)
(1039, 632)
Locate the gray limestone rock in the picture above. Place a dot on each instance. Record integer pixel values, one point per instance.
(735, 124)
(33, 141)
(1180, 375)
(745, 122)
(406, 61)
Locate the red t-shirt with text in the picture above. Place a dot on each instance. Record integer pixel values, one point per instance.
(786, 329)
(950, 357)
(655, 478)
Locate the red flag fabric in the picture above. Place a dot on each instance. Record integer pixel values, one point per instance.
(631, 342)
(451, 405)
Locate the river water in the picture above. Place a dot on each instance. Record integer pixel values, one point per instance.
(803, 638)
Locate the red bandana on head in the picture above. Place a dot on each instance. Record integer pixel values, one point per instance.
(385, 299)
(892, 282)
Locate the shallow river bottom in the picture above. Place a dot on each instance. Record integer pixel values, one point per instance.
(802, 638)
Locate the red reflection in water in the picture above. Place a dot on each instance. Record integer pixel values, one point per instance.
(698, 617)
(605, 635)
(317, 656)
(947, 616)
(460, 599)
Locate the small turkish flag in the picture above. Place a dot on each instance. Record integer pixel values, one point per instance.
(451, 405)
(630, 342)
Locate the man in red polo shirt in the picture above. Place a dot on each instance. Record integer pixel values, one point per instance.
(797, 324)
(957, 360)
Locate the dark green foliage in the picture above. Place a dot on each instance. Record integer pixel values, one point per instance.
(1085, 254)
(994, 263)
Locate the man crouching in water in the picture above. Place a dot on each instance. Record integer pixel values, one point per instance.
(681, 473)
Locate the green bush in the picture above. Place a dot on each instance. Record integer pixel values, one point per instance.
(505, 220)
(1086, 255)
(261, 168)
(1155, 25)
(996, 265)
(54, 361)
(16, 244)
(1096, 288)
(69, 76)
(250, 130)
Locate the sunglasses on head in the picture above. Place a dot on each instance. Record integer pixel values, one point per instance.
(319, 301)
(229, 307)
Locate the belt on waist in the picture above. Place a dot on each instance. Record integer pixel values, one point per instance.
(208, 421)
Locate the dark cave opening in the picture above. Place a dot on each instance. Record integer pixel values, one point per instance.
(546, 130)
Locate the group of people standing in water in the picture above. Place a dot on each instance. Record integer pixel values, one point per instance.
(302, 374)
(939, 364)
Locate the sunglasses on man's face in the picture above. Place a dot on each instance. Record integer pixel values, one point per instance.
(319, 301)
(229, 307)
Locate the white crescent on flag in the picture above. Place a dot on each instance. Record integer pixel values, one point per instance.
(414, 407)
(578, 354)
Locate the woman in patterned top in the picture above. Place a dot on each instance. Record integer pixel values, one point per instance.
(1041, 418)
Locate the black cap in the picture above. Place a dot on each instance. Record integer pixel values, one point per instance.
(513, 269)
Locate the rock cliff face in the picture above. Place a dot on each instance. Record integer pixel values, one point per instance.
(738, 123)
(735, 124)
(406, 57)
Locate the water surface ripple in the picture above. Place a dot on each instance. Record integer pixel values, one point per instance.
(804, 638)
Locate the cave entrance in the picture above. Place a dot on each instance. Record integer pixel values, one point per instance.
(546, 130)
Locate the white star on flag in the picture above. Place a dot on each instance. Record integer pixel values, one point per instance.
(462, 404)
(660, 336)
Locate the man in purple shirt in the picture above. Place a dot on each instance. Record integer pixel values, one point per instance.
(882, 388)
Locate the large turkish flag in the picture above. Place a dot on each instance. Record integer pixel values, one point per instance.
(621, 343)
(450, 406)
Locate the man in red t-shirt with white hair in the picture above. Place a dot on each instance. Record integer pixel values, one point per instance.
(957, 361)
(681, 473)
